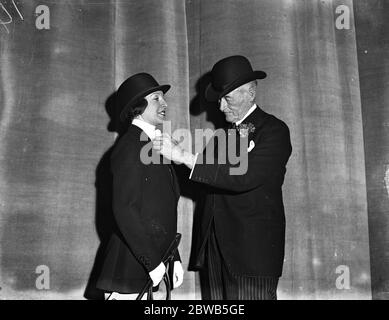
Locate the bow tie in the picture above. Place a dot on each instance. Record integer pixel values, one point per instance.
(244, 129)
(235, 126)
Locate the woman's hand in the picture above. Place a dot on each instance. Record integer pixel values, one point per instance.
(171, 150)
(178, 274)
(157, 274)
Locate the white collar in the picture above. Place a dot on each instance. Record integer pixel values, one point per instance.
(148, 128)
(251, 110)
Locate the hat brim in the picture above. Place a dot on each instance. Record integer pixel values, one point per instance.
(212, 95)
(123, 114)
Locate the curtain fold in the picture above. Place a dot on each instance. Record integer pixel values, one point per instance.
(313, 86)
(329, 176)
(373, 46)
(53, 131)
(151, 37)
(57, 126)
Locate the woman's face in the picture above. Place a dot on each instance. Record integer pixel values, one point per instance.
(155, 111)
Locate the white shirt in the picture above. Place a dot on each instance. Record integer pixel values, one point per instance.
(148, 128)
(251, 110)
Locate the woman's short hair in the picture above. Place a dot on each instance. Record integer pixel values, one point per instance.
(137, 109)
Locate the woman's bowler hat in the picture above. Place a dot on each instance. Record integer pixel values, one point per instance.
(134, 89)
(229, 74)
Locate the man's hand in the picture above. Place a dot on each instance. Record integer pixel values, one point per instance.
(167, 147)
(178, 274)
(170, 149)
(157, 274)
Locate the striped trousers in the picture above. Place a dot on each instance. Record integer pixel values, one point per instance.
(221, 284)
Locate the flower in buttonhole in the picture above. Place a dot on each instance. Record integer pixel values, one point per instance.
(245, 129)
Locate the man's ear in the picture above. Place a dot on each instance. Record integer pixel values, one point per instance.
(252, 92)
(252, 89)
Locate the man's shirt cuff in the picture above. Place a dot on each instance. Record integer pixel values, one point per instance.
(191, 172)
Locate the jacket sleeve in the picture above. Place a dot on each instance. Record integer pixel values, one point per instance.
(267, 158)
(128, 181)
(177, 256)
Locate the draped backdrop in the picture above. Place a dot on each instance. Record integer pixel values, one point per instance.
(57, 127)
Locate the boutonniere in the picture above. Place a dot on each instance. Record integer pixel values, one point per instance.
(245, 129)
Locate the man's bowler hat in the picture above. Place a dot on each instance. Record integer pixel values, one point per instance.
(134, 89)
(229, 74)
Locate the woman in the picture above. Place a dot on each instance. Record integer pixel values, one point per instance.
(145, 196)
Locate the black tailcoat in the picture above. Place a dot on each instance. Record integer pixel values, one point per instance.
(248, 209)
(145, 198)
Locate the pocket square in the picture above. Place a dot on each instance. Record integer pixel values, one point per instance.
(251, 146)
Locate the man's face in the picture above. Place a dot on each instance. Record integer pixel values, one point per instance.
(155, 111)
(236, 103)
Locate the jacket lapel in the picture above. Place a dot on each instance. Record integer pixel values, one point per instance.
(174, 181)
(168, 168)
(258, 117)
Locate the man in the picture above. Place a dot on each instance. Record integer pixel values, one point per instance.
(242, 233)
(145, 197)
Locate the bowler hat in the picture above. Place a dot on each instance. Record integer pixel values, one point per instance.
(229, 74)
(134, 89)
